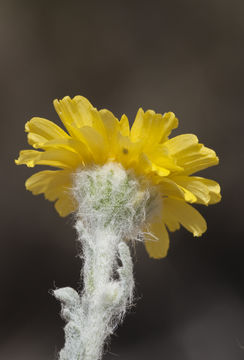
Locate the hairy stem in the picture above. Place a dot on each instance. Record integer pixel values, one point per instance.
(112, 206)
(94, 315)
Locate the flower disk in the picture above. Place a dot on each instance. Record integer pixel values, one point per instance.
(97, 137)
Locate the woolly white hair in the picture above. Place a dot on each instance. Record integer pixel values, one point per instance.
(112, 207)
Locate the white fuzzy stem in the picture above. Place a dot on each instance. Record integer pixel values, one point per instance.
(103, 302)
(104, 298)
(112, 206)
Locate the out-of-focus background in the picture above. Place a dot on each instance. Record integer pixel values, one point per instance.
(180, 55)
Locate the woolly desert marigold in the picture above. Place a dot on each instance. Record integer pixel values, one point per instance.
(97, 137)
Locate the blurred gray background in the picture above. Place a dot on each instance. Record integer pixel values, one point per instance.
(180, 55)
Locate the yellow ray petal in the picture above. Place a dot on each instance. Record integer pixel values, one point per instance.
(78, 112)
(160, 156)
(196, 187)
(68, 112)
(144, 166)
(41, 130)
(213, 189)
(111, 123)
(90, 116)
(158, 243)
(63, 159)
(191, 155)
(70, 144)
(171, 188)
(65, 205)
(124, 126)
(96, 143)
(53, 183)
(170, 123)
(152, 128)
(81, 99)
(180, 143)
(35, 139)
(112, 126)
(39, 182)
(170, 221)
(137, 129)
(184, 214)
(197, 160)
(146, 127)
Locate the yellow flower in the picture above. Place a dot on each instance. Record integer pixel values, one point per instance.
(97, 136)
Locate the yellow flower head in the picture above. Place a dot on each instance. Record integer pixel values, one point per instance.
(97, 137)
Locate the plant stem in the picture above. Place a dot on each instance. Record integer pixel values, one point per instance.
(104, 300)
(112, 206)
